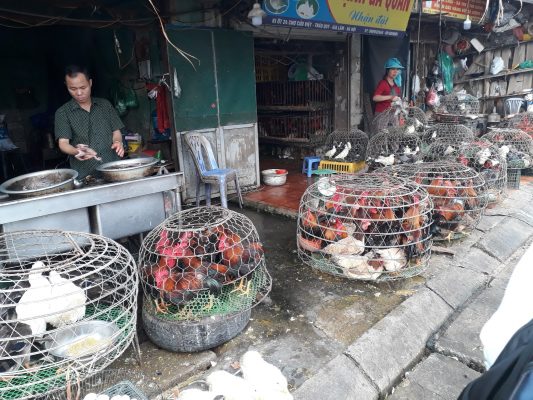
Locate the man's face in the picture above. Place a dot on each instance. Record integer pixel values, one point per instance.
(79, 88)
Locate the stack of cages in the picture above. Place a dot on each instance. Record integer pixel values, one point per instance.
(391, 147)
(68, 309)
(365, 227)
(522, 121)
(458, 192)
(459, 104)
(476, 123)
(202, 270)
(479, 155)
(412, 118)
(452, 135)
(344, 147)
(517, 147)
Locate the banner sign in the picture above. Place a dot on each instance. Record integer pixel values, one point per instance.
(370, 17)
(455, 8)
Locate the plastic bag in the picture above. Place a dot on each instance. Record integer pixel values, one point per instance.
(432, 98)
(496, 66)
(448, 70)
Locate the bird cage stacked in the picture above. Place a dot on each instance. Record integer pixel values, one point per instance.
(459, 103)
(458, 193)
(392, 147)
(480, 155)
(453, 134)
(522, 121)
(344, 150)
(417, 116)
(412, 119)
(517, 147)
(202, 270)
(366, 227)
(68, 307)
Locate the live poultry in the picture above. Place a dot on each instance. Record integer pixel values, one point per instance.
(358, 266)
(230, 386)
(15, 346)
(265, 378)
(183, 287)
(34, 305)
(346, 246)
(67, 304)
(393, 258)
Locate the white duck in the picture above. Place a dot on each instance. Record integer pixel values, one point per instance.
(230, 386)
(515, 310)
(68, 303)
(357, 267)
(34, 305)
(266, 378)
(342, 155)
(385, 161)
(346, 246)
(393, 258)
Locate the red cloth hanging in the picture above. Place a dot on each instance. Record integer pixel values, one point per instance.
(163, 115)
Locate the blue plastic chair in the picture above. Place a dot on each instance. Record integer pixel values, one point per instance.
(207, 170)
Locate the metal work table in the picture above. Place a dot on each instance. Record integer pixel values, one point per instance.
(114, 210)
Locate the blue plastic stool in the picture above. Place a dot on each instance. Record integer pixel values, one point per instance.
(309, 163)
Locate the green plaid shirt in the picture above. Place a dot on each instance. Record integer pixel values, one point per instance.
(94, 128)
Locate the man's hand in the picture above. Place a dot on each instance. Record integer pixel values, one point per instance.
(85, 153)
(118, 147)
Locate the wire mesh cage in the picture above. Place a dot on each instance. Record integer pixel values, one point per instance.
(459, 103)
(392, 147)
(513, 178)
(69, 303)
(303, 127)
(365, 227)
(480, 155)
(458, 193)
(202, 262)
(522, 121)
(413, 119)
(514, 144)
(453, 134)
(346, 145)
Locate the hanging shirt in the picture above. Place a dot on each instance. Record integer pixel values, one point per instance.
(94, 128)
(385, 89)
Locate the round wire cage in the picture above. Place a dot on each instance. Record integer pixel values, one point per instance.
(346, 145)
(412, 119)
(515, 144)
(522, 121)
(480, 155)
(453, 134)
(365, 227)
(458, 192)
(392, 147)
(203, 262)
(459, 103)
(69, 303)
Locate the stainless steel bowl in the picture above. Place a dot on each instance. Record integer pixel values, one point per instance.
(124, 170)
(40, 183)
(81, 340)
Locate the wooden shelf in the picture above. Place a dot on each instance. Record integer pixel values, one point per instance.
(508, 73)
(470, 53)
(294, 108)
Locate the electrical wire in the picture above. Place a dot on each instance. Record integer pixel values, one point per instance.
(184, 54)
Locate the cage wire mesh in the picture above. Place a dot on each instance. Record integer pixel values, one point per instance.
(68, 303)
(453, 134)
(458, 193)
(480, 155)
(522, 121)
(365, 227)
(203, 262)
(413, 119)
(459, 103)
(514, 144)
(345, 146)
(392, 147)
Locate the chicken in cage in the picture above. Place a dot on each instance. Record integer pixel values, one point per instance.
(459, 103)
(452, 134)
(412, 119)
(344, 146)
(69, 302)
(513, 144)
(392, 147)
(367, 227)
(480, 155)
(522, 121)
(201, 263)
(458, 192)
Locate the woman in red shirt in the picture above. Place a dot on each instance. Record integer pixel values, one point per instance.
(388, 89)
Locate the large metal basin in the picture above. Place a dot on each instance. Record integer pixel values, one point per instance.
(40, 183)
(123, 170)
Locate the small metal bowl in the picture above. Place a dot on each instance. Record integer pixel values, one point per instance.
(81, 340)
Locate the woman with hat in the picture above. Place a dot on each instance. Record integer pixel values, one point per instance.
(388, 89)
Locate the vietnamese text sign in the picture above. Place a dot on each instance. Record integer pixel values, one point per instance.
(372, 17)
(455, 8)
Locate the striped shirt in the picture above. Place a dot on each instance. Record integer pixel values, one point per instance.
(93, 128)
